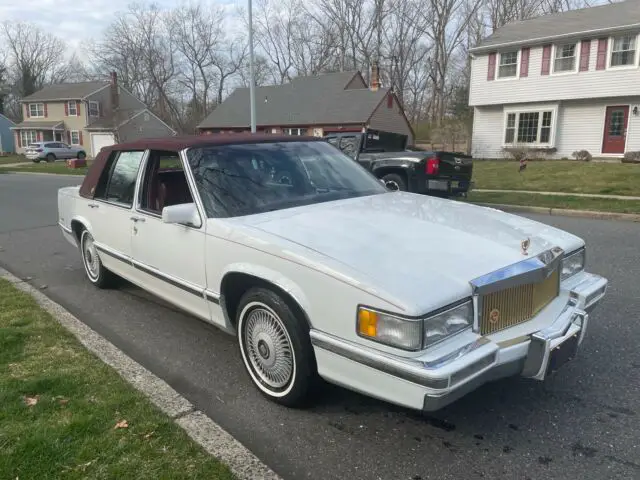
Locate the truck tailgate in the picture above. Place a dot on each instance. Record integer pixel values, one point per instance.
(455, 166)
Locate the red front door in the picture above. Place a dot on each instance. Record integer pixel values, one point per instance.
(615, 129)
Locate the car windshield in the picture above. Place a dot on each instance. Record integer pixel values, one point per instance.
(244, 179)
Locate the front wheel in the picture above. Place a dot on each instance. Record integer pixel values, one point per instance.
(96, 272)
(275, 348)
(393, 181)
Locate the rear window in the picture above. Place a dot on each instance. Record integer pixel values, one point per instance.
(35, 145)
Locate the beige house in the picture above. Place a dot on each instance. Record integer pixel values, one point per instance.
(88, 114)
(315, 105)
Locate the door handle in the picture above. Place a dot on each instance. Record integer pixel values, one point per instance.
(93, 205)
(138, 219)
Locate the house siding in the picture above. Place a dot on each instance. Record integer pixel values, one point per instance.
(391, 119)
(536, 87)
(127, 103)
(6, 135)
(579, 126)
(144, 125)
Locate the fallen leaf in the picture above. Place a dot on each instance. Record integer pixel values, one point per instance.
(31, 401)
(122, 424)
(148, 435)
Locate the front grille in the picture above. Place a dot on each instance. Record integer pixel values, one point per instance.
(516, 305)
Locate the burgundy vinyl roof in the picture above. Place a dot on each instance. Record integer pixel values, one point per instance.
(175, 144)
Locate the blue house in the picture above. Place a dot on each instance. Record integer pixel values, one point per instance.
(6, 136)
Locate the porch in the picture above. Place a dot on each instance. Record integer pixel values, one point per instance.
(32, 131)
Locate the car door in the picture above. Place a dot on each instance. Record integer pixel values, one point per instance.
(111, 210)
(169, 257)
(65, 151)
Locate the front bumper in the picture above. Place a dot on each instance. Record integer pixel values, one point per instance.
(430, 385)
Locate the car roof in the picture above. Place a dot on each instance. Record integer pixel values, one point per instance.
(178, 143)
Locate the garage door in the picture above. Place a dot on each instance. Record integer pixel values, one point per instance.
(99, 140)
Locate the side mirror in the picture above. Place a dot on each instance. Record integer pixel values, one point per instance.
(184, 214)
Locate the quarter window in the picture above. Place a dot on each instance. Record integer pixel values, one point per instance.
(118, 182)
(565, 59)
(36, 110)
(508, 65)
(528, 128)
(623, 51)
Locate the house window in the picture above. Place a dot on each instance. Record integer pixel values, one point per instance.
(36, 110)
(27, 137)
(528, 128)
(94, 109)
(72, 108)
(623, 51)
(75, 137)
(565, 58)
(294, 131)
(508, 66)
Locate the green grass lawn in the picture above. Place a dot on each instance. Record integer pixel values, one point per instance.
(555, 201)
(43, 167)
(559, 176)
(13, 159)
(65, 414)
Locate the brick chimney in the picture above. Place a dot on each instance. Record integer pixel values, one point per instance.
(375, 76)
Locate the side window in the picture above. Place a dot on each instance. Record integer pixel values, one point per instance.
(164, 183)
(349, 145)
(118, 182)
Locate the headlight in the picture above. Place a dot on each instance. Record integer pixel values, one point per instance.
(444, 324)
(573, 263)
(413, 334)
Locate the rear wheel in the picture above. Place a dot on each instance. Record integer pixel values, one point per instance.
(275, 348)
(36, 160)
(96, 272)
(51, 157)
(394, 181)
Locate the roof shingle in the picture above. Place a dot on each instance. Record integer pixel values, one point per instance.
(548, 27)
(305, 101)
(66, 91)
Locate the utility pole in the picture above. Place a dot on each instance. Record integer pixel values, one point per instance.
(252, 93)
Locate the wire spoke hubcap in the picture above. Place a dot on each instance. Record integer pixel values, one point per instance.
(268, 348)
(91, 258)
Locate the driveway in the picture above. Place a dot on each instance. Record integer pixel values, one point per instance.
(583, 423)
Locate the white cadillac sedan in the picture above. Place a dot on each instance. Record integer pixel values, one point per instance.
(319, 271)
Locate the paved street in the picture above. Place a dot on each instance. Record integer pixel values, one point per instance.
(582, 424)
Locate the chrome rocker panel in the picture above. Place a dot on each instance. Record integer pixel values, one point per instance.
(464, 369)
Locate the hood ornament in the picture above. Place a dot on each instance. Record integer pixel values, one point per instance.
(525, 244)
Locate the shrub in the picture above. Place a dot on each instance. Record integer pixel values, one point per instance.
(631, 157)
(582, 155)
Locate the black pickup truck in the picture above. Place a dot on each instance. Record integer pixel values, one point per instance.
(407, 168)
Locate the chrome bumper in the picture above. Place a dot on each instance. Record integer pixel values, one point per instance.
(464, 369)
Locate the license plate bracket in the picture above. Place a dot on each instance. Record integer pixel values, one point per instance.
(563, 353)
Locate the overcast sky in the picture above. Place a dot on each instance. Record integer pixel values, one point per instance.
(76, 21)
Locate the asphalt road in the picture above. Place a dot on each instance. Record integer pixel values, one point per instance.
(582, 424)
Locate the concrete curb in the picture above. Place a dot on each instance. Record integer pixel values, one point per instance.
(630, 217)
(13, 172)
(211, 436)
(561, 194)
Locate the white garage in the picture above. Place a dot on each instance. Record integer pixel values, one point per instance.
(99, 140)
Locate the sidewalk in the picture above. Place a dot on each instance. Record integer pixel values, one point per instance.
(561, 194)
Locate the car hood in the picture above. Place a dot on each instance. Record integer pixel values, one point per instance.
(422, 251)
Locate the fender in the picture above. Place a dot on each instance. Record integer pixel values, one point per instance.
(271, 276)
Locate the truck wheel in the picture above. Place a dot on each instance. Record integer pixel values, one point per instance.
(96, 272)
(393, 181)
(275, 348)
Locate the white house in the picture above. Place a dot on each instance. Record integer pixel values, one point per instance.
(560, 83)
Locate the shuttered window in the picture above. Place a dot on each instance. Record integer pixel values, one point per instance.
(623, 51)
(508, 66)
(565, 58)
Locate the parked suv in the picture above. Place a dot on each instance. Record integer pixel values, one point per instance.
(52, 151)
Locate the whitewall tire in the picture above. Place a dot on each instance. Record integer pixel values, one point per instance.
(275, 348)
(95, 271)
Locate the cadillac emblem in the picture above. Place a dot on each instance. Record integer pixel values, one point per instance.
(494, 316)
(525, 246)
